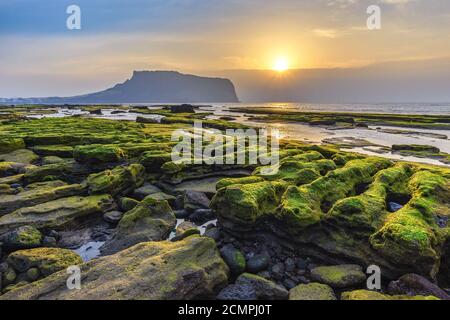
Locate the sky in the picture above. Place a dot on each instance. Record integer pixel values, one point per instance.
(39, 56)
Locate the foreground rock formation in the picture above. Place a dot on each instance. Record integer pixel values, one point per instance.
(341, 213)
(186, 269)
(107, 192)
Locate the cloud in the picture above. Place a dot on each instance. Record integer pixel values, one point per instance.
(326, 33)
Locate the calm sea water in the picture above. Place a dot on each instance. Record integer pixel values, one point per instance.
(396, 108)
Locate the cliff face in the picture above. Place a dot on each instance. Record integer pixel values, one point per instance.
(157, 87)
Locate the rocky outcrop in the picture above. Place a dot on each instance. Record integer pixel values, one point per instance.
(151, 220)
(157, 86)
(25, 237)
(312, 291)
(38, 194)
(187, 269)
(373, 296)
(343, 215)
(26, 266)
(98, 154)
(342, 276)
(56, 214)
(413, 285)
(118, 181)
(252, 287)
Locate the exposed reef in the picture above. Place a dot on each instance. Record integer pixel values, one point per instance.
(106, 196)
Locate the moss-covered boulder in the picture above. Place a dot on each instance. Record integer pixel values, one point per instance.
(234, 258)
(25, 237)
(47, 260)
(183, 270)
(20, 156)
(127, 204)
(342, 276)
(151, 220)
(312, 291)
(118, 181)
(411, 235)
(413, 285)
(98, 154)
(13, 168)
(253, 287)
(373, 295)
(56, 214)
(185, 229)
(243, 205)
(153, 160)
(9, 144)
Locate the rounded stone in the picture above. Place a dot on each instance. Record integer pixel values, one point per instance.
(341, 276)
(234, 258)
(258, 263)
(33, 274)
(312, 291)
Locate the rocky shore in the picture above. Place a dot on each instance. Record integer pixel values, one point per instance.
(104, 195)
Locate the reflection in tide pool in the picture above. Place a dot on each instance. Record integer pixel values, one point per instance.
(90, 250)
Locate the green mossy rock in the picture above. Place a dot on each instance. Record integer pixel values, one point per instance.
(20, 156)
(306, 205)
(415, 148)
(245, 204)
(56, 214)
(47, 260)
(13, 168)
(62, 151)
(186, 229)
(118, 181)
(25, 237)
(57, 171)
(153, 160)
(8, 144)
(98, 154)
(232, 181)
(372, 296)
(183, 270)
(37, 195)
(342, 276)
(312, 291)
(410, 235)
(127, 204)
(12, 287)
(151, 220)
(52, 160)
(252, 287)
(234, 258)
(345, 211)
(8, 277)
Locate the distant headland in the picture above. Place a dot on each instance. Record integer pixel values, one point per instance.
(155, 87)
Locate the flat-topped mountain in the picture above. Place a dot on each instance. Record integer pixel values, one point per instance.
(154, 86)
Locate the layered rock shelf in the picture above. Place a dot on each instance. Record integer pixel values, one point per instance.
(105, 196)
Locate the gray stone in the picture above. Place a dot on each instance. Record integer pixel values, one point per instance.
(258, 263)
(113, 216)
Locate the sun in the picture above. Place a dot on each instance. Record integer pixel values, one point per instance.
(281, 64)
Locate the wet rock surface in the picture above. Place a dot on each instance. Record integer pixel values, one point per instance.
(186, 269)
(252, 287)
(312, 291)
(107, 193)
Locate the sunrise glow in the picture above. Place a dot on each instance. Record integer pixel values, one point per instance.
(281, 64)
